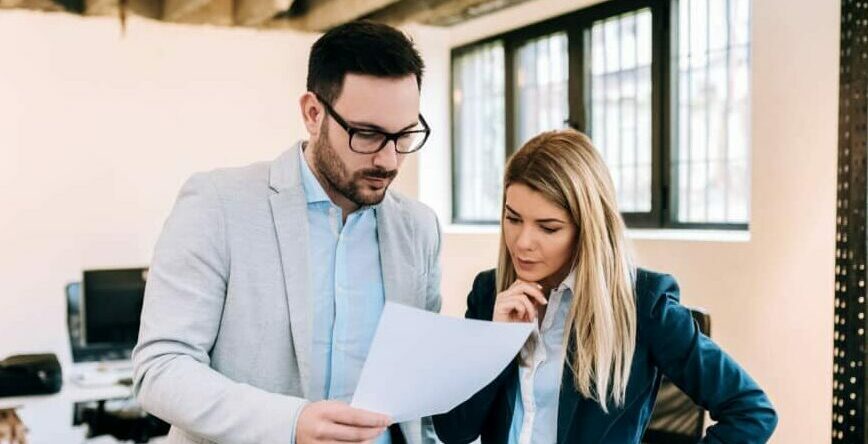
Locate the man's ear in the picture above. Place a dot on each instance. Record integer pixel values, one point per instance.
(313, 113)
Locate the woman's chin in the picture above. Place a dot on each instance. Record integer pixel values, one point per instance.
(529, 276)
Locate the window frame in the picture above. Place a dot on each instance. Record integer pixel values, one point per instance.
(664, 98)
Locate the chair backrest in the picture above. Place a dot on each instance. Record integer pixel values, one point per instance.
(676, 418)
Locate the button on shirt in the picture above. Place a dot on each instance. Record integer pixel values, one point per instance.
(541, 366)
(348, 294)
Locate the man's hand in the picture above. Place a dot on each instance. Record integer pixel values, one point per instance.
(334, 421)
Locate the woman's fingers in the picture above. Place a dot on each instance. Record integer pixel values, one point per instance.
(520, 305)
(530, 309)
(531, 289)
(519, 302)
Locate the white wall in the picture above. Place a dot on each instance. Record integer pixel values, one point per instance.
(770, 298)
(97, 133)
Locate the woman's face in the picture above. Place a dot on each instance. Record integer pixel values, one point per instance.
(539, 235)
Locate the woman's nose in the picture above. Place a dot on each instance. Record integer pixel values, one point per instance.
(525, 240)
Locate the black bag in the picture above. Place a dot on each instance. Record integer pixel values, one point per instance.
(23, 375)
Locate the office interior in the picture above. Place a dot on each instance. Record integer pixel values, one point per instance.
(100, 124)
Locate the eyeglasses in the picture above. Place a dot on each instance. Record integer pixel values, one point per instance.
(370, 141)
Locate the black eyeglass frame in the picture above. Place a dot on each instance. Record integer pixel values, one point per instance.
(393, 137)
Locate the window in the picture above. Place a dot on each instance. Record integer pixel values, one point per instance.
(478, 132)
(660, 86)
(712, 157)
(541, 77)
(620, 85)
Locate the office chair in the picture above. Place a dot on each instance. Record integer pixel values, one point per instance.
(676, 419)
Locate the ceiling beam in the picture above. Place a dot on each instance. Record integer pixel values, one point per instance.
(258, 12)
(212, 12)
(439, 12)
(142, 8)
(42, 5)
(322, 15)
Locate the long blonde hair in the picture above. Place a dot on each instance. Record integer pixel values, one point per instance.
(600, 330)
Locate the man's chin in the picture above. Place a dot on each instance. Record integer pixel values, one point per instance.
(372, 196)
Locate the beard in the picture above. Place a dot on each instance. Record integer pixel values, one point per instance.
(350, 185)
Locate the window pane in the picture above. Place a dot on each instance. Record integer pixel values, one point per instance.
(480, 137)
(712, 159)
(541, 72)
(620, 104)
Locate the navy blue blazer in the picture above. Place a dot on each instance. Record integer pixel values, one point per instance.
(667, 342)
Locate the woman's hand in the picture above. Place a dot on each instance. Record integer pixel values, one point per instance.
(518, 303)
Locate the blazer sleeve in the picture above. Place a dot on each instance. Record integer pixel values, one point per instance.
(702, 369)
(464, 423)
(433, 302)
(181, 315)
(433, 299)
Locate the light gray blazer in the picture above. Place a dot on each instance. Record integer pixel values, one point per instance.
(225, 341)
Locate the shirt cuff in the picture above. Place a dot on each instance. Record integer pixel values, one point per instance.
(294, 422)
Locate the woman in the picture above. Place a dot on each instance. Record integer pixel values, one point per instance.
(607, 331)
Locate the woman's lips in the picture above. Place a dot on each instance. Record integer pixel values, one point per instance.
(525, 265)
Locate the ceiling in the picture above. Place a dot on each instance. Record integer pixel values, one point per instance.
(304, 15)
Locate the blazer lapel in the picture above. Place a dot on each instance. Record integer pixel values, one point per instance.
(579, 419)
(289, 210)
(395, 237)
(567, 402)
(582, 419)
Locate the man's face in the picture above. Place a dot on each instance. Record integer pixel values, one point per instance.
(366, 102)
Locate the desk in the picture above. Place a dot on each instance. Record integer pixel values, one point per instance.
(70, 393)
(49, 417)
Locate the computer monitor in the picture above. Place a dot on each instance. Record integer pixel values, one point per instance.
(110, 306)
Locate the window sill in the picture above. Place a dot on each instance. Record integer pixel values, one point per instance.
(687, 235)
(471, 229)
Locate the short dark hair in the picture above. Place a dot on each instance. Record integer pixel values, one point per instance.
(360, 47)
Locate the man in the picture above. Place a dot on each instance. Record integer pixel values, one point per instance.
(268, 280)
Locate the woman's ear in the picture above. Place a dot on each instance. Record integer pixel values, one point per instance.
(313, 113)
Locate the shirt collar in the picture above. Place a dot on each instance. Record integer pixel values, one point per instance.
(568, 283)
(313, 191)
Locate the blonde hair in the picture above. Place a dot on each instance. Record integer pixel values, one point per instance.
(600, 330)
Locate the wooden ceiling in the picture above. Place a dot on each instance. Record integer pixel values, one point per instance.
(303, 15)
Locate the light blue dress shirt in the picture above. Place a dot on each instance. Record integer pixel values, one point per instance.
(541, 366)
(348, 293)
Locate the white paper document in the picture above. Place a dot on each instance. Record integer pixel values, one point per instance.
(421, 363)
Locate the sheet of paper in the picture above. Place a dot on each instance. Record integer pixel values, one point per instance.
(421, 363)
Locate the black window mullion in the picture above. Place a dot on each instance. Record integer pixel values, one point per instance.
(664, 101)
(509, 87)
(576, 47)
